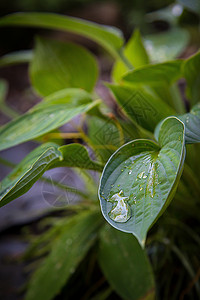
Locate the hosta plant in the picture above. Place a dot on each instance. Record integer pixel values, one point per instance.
(145, 151)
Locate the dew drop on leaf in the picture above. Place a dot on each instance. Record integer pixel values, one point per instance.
(120, 211)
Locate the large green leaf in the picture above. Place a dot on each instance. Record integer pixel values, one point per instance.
(70, 248)
(57, 65)
(135, 52)
(166, 45)
(141, 106)
(31, 168)
(191, 72)
(125, 265)
(108, 37)
(167, 72)
(53, 112)
(140, 179)
(192, 125)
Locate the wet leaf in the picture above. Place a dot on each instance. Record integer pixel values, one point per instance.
(192, 125)
(140, 179)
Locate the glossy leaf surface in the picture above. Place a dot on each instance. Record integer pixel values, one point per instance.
(140, 179)
(125, 265)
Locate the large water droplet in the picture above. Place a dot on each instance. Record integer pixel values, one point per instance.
(121, 211)
(140, 175)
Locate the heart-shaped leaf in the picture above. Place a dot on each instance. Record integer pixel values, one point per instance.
(192, 125)
(108, 37)
(57, 65)
(53, 112)
(140, 179)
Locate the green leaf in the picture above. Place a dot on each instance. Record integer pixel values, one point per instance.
(44, 157)
(53, 112)
(166, 45)
(76, 155)
(125, 265)
(28, 171)
(167, 72)
(192, 125)
(135, 52)
(140, 180)
(141, 107)
(104, 135)
(108, 37)
(59, 65)
(191, 72)
(14, 58)
(67, 252)
(193, 5)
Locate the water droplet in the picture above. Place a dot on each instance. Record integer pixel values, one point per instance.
(130, 172)
(141, 189)
(121, 211)
(140, 175)
(122, 170)
(144, 176)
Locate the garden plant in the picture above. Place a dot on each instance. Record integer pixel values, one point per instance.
(145, 155)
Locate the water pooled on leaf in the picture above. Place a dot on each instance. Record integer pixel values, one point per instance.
(120, 211)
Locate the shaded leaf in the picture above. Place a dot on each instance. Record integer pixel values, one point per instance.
(28, 171)
(53, 112)
(166, 45)
(76, 155)
(135, 52)
(141, 107)
(125, 265)
(167, 72)
(192, 125)
(108, 37)
(14, 58)
(191, 72)
(67, 252)
(140, 179)
(58, 65)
